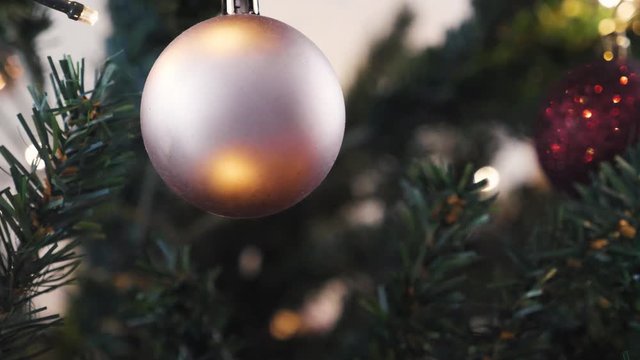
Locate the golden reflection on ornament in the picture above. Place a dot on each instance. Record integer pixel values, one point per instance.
(616, 99)
(285, 324)
(606, 27)
(609, 3)
(233, 38)
(491, 175)
(624, 80)
(587, 114)
(608, 55)
(234, 172)
(242, 116)
(589, 154)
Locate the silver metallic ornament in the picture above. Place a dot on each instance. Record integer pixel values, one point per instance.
(242, 115)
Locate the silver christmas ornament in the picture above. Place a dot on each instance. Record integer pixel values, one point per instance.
(242, 115)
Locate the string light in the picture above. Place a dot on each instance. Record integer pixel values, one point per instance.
(491, 175)
(74, 10)
(33, 158)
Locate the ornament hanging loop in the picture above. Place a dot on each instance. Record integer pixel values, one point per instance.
(230, 7)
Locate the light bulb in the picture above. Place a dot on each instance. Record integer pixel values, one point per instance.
(33, 158)
(491, 175)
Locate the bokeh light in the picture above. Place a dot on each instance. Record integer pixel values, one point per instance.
(626, 11)
(33, 158)
(491, 175)
(250, 262)
(285, 324)
(606, 26)
(609, 3)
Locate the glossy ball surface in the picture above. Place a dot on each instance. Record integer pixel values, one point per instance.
(242, 116)
(592, 116)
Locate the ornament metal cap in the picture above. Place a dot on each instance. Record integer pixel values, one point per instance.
(230, 7)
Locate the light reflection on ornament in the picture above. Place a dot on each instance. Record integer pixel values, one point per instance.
(624, 80)
(234, 173)
(569, 150)
(242, 116)
(491, 175)
(3, 82)
(589, 155)
(233, 38)
(33, 158)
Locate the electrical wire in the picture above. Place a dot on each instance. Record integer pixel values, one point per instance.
(74, 10)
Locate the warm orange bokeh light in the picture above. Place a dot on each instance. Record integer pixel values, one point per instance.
(285, 324)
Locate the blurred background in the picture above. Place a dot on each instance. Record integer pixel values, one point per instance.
(452, 82)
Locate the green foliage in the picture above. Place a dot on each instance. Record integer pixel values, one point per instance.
(164, 308)
(559, 286)
(82, 143)
(422, 308)
(571, 292)
(142, 29)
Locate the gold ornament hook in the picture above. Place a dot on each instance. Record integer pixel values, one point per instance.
(230, 7)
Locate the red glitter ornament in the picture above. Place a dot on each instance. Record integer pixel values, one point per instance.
(591, 117)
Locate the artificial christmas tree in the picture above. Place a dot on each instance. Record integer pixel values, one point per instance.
(391, 258)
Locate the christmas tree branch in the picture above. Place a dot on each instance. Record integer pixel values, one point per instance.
(588, 285)
(82, 143)
(442, 210)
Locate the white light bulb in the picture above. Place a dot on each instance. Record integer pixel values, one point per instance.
(33, 158)
(491, 175)
(609, 3)
(89, 16)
